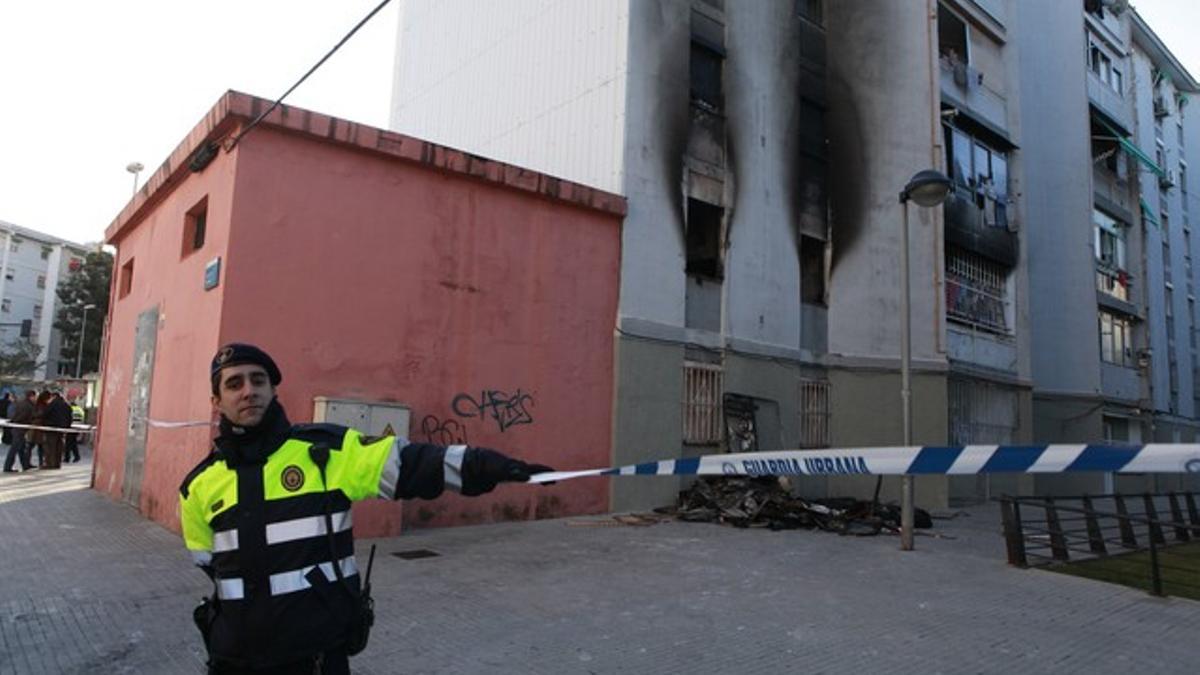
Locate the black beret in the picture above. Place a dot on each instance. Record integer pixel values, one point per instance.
(239, 353)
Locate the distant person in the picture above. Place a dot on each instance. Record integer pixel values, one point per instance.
(72, 442)
(37, 437)
(5, 402)
(22, 413)
(58, 415)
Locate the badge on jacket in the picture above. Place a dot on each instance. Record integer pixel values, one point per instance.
(292, 478)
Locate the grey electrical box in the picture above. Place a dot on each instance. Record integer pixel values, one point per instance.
(373, 418)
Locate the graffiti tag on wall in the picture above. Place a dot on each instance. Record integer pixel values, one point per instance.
(443, 432)
(507, 410)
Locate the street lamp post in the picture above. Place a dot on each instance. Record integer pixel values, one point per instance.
(82, 333)
(134, 168)
(927, 188)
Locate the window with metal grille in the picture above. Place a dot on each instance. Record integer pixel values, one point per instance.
(981, 412)
(976, 291)
(703, 388)
(814, 414)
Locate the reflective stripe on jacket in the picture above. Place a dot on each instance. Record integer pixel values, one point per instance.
(259, 529)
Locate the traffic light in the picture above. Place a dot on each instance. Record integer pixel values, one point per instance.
(26, 328)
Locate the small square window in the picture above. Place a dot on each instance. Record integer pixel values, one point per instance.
(41, 282)
(6, 305)
(9, 274)
(37, 311)
(46, 252)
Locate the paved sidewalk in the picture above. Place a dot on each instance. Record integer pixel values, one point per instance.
(89, 586)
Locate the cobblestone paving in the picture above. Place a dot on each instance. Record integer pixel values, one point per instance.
(91, 587)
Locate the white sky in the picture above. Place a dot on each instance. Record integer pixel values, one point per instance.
(88, 86)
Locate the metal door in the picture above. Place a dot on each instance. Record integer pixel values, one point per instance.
(144, 342)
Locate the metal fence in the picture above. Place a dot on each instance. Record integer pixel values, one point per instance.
(1041, 531)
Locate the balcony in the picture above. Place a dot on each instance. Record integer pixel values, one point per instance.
(1113, 282)
(1109, 102)
(965, 87)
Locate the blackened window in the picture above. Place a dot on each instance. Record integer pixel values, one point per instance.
(706, 76)
(952, 36)
(707, 61)
(704, 239)
(813, 10)
(812, 270)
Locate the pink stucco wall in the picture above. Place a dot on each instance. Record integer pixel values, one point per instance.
(188, 329)
(372, 279)
(378, 267)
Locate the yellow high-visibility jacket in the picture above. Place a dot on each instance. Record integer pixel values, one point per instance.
(258, 527)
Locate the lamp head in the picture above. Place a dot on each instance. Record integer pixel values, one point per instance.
(927, 188)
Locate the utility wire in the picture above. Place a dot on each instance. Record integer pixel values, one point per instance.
(234, 142)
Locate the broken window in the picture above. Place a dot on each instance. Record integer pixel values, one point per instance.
(707, 62)
(952, 37)
(704, 239)
(813, 10)
(812, 270)
(981, 169)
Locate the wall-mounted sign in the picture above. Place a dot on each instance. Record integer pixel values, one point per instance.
(212, 274)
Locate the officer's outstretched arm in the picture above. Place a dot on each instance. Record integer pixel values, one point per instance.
(426, 470)
(403, 470)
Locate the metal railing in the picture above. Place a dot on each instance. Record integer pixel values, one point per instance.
(1090, 533)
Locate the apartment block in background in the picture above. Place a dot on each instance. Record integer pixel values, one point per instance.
(34, 264)
(1113, 286)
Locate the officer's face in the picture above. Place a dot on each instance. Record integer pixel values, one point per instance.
(243, 393)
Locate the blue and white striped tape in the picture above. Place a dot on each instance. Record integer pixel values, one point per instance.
(918, 460)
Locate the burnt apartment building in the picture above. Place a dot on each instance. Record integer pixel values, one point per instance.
(762, 147)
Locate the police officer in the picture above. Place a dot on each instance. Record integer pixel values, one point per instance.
(267, 515)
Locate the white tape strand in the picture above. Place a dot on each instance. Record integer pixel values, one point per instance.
(73, 429)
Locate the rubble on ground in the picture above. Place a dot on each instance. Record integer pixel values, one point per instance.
(765, 502)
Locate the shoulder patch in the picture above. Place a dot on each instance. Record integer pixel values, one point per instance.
(212, 458)
(330, 435)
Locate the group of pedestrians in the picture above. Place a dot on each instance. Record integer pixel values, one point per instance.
(47, 409)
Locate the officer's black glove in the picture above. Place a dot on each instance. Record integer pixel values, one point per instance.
(483, 469)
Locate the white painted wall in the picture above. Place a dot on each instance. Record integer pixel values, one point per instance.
(538, 83)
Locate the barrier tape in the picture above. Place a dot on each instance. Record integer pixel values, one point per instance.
(917, 460)
(163, 424)
(73, 429)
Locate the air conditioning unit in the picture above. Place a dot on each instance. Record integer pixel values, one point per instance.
(1160, 106)
(1169, 179)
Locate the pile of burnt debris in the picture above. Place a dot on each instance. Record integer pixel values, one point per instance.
(765, 502)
